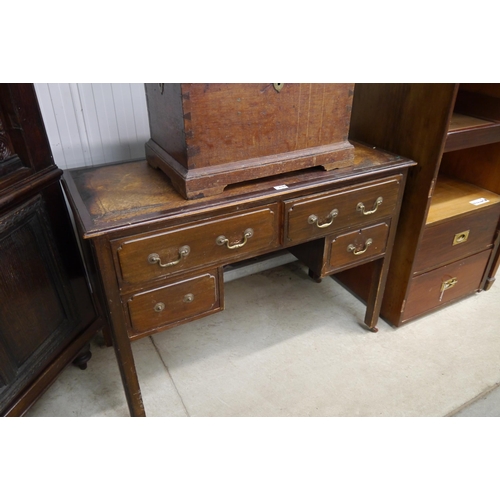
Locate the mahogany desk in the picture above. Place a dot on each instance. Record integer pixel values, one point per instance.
(156, 260)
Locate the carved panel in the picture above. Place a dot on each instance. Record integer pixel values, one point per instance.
(38, 309)
(6, 149)
(10, 163)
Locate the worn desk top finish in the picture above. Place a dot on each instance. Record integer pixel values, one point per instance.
(111, 197)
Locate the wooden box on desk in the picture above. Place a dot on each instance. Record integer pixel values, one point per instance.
(206, 136)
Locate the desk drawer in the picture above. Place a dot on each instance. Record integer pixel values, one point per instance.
(358, 246)
(325, 256)
(165, 306)
(315, 216)
(431, 290)
(456, 238)
(204, 243)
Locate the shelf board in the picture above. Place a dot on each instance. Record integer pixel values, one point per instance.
(463, 122)
(467, 131)
(453, 198)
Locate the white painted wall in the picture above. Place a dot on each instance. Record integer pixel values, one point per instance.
(94, 123)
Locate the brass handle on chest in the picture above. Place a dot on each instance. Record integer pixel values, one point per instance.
(222, 240)
(461, 237)
(446, 285)
(313, 219)
(352, 248)
(361, 208)
(154, 258)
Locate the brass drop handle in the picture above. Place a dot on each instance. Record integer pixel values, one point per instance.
(361, 208)
(352, 248)
(154, 258)
(446, 285)
(222, 240)
(313, 219)
(278, 86)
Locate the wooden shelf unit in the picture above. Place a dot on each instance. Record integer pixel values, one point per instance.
(453, 132)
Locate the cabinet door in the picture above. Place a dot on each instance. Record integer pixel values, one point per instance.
(38, 310)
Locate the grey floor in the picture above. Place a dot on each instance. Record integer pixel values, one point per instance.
(288, 347)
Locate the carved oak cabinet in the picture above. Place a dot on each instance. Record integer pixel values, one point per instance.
(47, 315)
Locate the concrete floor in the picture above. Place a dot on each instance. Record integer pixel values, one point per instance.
(288, 347)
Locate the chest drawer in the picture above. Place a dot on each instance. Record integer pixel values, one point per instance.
(315, 216)
(431, 290)
(216, 241)
(165, 306)
(456, 238)
(357, 246)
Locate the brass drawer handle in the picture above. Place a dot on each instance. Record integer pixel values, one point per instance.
(154, 258)
(446, 285)
(189, 297)
(278, 86)
(361, 208)
(352, 248)
(461, 237)
(222, 240)
(313, 219)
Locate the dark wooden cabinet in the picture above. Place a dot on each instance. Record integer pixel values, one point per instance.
(447, 243)
(47, 315)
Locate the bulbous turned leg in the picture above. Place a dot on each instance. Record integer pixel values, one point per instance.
(83, 358)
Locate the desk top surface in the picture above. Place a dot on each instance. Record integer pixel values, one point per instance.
(115, 196)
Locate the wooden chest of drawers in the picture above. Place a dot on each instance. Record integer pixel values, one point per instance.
(207, 136)
(455, 248)
(452, 131)
(159, 259)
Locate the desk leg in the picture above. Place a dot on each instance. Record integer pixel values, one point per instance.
(376, 294)
(118, 331)
(126, 365)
